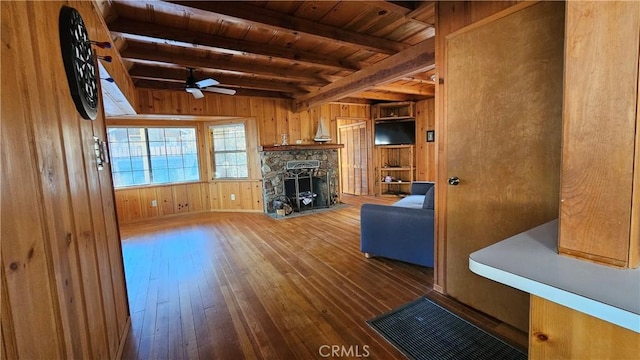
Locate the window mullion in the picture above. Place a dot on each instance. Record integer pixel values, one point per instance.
(146, 140)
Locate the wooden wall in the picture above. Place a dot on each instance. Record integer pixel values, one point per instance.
(274, 116)
(136, 204)
(425, 151)
(63, 291)
(558, 332)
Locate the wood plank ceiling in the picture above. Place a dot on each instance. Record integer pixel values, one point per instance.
(309, 51)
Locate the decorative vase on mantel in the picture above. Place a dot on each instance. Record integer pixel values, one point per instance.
(322, 134)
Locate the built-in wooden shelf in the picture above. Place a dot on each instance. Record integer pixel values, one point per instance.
(301, 147)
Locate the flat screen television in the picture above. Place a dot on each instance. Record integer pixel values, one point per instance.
(395, 132)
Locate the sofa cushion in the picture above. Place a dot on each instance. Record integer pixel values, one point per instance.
(429, 198)
(411, 201)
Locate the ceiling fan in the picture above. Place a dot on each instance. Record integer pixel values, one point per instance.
(195, 88)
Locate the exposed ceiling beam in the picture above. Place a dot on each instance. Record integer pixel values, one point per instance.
(267, 18)
(414, 90)
(372, 95)
(425, 10)
(420, 57)
(185, 38)
(180, 76)
(133, 54)
(106, 10)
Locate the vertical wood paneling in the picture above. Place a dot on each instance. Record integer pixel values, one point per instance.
(269, 125)
(294, 128)
(599, 134)
(113, 243)
(425, 152)
(147, 195)
(25, 270)
(256, 196)
(194, 194)
(57, 271)
(128, 204)
(228, 189)
(85, 236)
(246, 195)
(180, 199)
(214, 195)
(165, 200)
(8, 340)
(188, 198)
(557, 332)
(58, 210)
(274, 116)
(306, 127)
(204, 196)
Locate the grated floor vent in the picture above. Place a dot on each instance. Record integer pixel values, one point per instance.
(424, 330)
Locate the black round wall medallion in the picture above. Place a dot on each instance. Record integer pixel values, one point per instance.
(79, 62)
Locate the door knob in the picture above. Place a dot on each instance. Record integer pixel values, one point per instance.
(454, 180)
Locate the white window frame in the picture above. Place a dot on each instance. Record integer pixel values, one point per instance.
(235, 152)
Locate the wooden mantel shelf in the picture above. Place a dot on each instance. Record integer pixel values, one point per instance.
(301, 147)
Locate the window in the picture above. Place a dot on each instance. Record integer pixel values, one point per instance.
(143, 156)
(229, 151)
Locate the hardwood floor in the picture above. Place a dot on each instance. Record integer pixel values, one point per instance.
(244, 285)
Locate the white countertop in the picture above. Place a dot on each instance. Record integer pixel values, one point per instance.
(530, 262)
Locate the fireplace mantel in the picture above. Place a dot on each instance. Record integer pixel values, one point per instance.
(301, 147)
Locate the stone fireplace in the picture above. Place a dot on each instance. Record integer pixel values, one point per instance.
(321, 181)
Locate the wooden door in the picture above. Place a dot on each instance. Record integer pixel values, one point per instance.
(353, 159)
(504, 116)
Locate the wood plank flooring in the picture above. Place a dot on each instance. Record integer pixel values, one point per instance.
(246, 286)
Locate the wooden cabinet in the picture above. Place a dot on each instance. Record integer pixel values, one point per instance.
(395, 170)
(394, 110)
(599, 210)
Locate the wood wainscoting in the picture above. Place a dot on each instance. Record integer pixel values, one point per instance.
(137, 204)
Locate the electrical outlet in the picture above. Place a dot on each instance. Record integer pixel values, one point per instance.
(154, 203)
(233, 197)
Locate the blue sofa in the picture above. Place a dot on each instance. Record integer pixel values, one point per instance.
(402, 231)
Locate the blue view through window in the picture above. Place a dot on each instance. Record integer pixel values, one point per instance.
(146, 156)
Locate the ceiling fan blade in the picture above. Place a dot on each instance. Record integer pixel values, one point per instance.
(220, 90)
(206, 82)
(195, 92)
